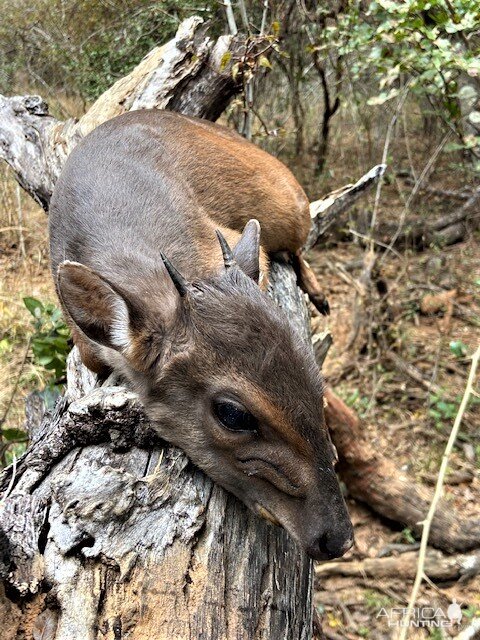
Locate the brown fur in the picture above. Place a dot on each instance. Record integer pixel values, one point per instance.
(154, 183)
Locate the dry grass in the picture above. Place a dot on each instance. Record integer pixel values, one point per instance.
(25, 272)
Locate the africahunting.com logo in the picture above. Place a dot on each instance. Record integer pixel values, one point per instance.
(422, 617)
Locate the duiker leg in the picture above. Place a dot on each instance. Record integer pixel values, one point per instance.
(307, 281)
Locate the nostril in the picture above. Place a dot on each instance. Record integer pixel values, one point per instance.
(328, 546)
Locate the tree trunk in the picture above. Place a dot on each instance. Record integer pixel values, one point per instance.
(105, 532)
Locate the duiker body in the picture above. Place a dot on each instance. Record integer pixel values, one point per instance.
(141, 224)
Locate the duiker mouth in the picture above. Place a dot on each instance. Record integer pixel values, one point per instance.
(272, 474)
(332, 540)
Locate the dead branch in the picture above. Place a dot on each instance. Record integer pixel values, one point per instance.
(461, 194)
(326, 211)
(412, 372)
(444, 231)
(438, 567)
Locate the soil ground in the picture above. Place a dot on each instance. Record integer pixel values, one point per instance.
(405, 421)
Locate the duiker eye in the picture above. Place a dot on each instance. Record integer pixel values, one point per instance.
(234, 417)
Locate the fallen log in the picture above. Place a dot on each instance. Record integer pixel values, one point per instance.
(438, 567)
(461, 194)
(443, 231)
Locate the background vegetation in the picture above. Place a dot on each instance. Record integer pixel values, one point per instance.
(349, 84)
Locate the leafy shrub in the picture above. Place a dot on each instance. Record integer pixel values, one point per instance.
(433, 45)
(50, 340)
(81, 48)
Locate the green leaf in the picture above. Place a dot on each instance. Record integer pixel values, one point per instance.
(13, 434)
(34, 306)
(227, 56)
(263, 61)
(467, 93)
(458, 348)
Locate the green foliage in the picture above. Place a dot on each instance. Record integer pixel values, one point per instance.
(375, 601)
(441, 410)
(431, 46)
(444, 411)
(51, 338)
(13, 434)
(458, 348)
(471, 612)
(83, 47)
(407, 536)
(357, 401)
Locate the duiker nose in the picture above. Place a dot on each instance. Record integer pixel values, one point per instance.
(330, 544)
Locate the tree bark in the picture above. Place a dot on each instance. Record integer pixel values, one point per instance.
(112, 533)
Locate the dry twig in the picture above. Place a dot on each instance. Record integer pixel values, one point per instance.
(438, 492)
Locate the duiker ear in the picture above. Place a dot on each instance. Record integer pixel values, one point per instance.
(247, 250)
(102, 313)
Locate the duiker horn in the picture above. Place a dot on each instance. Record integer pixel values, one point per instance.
(178, 280)
(247, 250)
(228, 259)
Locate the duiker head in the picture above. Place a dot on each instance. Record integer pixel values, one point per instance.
(224, 376)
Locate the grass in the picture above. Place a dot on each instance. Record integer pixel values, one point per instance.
(25, 270)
